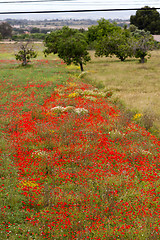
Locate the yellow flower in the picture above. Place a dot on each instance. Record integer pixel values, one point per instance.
(30, 184)
(72, 84)
(138, 116)
(73, 95)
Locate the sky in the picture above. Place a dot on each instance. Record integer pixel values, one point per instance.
(56, 5)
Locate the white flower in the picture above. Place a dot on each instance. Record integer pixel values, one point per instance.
(39, 153)
(72, 109)
(81, 110)
(58, 109)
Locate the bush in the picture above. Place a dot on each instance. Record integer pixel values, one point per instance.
(25, 54)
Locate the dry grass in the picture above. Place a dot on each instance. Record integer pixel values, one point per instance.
(135, 84)
(8, 50)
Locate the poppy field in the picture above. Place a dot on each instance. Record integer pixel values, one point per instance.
(72, 165)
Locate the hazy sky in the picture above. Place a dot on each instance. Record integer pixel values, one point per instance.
(13, 6)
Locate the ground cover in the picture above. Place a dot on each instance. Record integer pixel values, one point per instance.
(136, 85)
(72, 165)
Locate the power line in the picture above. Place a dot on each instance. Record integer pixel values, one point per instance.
(78, 11)
(27, 1)
(31, 1)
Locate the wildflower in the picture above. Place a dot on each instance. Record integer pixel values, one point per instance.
(72, 84)
(91, 98)
(58, 109)
(81, 110)
(73, 95)
(137, 117)
(39, 153)
(29, 183)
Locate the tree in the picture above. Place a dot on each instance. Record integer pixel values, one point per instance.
(143, 42)
(97, 32)
(35, 30)
(109, 39)
(118, 43)
(5, 30)
(148, 19)
(69, 44)
(25, 54)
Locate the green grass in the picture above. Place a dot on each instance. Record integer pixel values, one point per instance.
(42, 78)
(136, 85)
(37, 83)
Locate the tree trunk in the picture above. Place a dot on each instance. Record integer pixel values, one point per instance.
(122, 59)
(24, 58)
(24, 62)
(81, 66)
(142, 60)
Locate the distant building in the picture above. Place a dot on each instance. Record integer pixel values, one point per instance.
(156, 38)
(26, 32)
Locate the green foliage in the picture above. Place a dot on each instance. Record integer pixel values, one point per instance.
(5, 30)
(25, 54)
(143, 42)
(109, 39)
(119, 43)
(69, 44)
(148, 19)
(32, 36)
(104, 28)
(35, 30)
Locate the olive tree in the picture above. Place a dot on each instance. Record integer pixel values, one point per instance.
(143, 43)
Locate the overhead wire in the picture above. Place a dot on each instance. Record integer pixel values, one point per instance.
(64, 11)
(77, 11)
(30, 1)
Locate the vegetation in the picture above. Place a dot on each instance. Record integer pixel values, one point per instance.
(72, 164)
(104, 28)
(119, 43)
(147, 19)
(135, 85)
(44, 26)
(29, 37)
(108, 39)
(142, 44)
(5, 30)
(25, 54)
(69, 44)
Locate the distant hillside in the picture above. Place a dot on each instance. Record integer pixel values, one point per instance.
(57, 23)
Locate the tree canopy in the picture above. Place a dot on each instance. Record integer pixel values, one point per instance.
(119, 43)
(5, 30)
(148, 19)
(143, 42)
(25, 54)
(110, 39)
(103, 28)
(69, 44)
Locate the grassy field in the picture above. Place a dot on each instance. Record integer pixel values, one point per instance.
(72, 164)
(136, 85)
